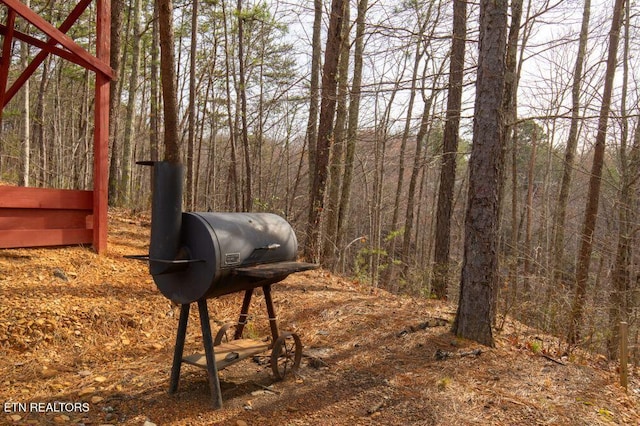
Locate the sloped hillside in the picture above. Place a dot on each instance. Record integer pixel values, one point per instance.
(87, 339)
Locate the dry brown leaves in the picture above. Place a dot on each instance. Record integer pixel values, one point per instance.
(87, 339)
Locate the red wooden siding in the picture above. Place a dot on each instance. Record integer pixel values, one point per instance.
(36, 217)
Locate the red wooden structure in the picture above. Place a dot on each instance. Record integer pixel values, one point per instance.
(31, 217)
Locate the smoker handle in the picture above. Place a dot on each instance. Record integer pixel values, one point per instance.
(146, 258)
(272, 246)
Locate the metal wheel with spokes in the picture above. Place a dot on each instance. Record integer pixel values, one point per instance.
(286, 355)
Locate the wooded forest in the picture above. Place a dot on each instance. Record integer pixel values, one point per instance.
(386, 133)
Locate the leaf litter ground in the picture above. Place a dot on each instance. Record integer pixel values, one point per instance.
(88, 340)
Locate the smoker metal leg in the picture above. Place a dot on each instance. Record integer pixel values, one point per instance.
(244, 313)
(271, 311)
(212, 369)
(177, 351)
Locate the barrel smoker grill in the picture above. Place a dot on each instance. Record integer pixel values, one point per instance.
(197, 256)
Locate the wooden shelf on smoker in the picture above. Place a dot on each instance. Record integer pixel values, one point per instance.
(245, 348)
(274, 270)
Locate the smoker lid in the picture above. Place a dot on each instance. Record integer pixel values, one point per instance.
(250, 238)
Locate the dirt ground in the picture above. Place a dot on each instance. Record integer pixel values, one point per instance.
(88, 340)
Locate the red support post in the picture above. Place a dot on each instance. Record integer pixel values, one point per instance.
(6, 56)
(101, 129)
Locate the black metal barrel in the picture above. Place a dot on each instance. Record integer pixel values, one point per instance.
(195, 255)
(217, 244)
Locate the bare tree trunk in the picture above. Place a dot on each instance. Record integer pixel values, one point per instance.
(180, 91)
(129, 127)
(189, 193)
(418, 163)
(528, 252)
(379, 154)
(168, 77)
(26, 137)
(389, 271)
(85, 113)
(325, 129)
(247, 196)
(55, 139)
(449, 151)
(153, 98)
(619, 298)
(336, 168)
(593, 197)
(479, 279)
(232, 194)
(212, 171)
(314, 95)
(197, 193)
(260, 132)
(352, 125)
(39, 133)
(511, 134)
(570, 150)
(114, 100)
